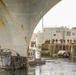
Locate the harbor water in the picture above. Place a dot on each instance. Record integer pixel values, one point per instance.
(55, 66)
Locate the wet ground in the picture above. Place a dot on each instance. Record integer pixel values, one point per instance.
(56, 66)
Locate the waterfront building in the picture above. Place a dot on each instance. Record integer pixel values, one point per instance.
(56, 35)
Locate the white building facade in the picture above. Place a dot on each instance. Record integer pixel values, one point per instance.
(56, 33)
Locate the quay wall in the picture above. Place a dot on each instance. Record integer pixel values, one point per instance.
(52, 49)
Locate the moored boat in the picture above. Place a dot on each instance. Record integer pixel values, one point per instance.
(34, 57)
(9, 59)
(63, 53)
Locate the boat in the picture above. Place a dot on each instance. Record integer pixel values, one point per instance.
(63, 53)
(34, 57)
(9, 59)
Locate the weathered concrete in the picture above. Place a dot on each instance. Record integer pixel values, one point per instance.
(18, 18)
(53, 49)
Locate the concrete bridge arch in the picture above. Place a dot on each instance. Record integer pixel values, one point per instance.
(18, 18)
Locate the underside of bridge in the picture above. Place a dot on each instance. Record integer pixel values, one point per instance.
(18, 18)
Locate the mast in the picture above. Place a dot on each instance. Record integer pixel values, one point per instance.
(43, 30)
(42, 24)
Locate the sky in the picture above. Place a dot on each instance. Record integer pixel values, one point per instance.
(62, 14)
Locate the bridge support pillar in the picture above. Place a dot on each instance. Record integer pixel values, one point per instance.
(72, 52)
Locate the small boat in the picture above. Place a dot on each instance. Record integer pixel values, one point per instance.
(9, 59)
(63, 53)
(34, 56)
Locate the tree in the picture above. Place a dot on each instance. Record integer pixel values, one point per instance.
(74, 40)
(70, 40)
(64, 40)
(67, 40)
(53, 40)
(61, 40)
(56, 40)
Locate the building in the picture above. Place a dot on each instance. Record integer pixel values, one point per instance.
(56, 35)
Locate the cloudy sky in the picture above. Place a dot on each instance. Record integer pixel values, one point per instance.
(62, 14)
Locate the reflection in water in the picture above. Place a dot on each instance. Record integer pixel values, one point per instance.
(13, 72)
(56, 67)
(38, 70)
(52, 67)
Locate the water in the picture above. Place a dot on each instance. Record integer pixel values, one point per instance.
(52, 67)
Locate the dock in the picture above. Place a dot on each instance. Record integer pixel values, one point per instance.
(52, 49)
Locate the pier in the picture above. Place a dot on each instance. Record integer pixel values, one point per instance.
(52, 49)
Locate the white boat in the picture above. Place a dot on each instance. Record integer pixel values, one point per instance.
(34, 56)
(63, 53)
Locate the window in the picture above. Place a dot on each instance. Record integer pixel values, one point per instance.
(73, 34)
(54, 34)
(58, 30)
(68, 33)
